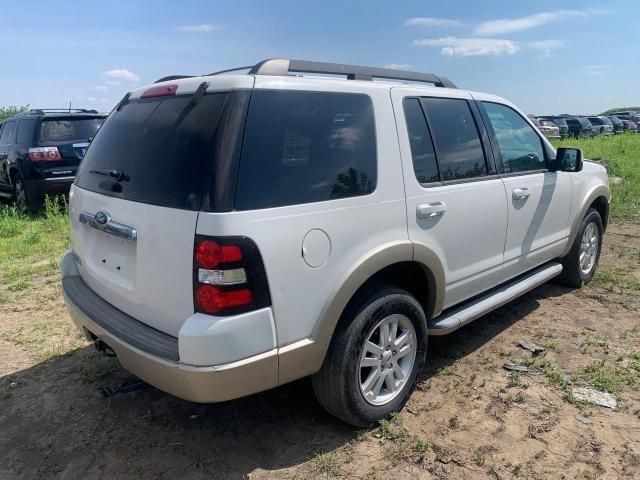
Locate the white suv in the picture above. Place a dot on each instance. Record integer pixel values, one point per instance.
(234, 232)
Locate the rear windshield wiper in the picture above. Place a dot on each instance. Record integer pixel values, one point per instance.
(119, 175)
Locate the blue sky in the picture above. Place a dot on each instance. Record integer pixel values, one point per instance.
(546, 56)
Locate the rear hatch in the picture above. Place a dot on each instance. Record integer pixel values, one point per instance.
(149, 171)
(71, 135)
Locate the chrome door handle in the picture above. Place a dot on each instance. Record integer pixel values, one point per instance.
(520, 193)
(430, 210)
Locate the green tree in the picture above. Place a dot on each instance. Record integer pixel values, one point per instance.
(6, 112)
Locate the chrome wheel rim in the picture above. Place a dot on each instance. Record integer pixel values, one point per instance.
(589, 248)
(387, 359)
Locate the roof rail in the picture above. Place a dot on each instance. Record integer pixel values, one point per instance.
(281, 66)
(172, 77)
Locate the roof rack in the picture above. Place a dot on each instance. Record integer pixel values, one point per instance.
(172, 77)
(281, 66)
(42, 111)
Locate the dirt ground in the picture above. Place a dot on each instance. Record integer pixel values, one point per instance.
(469, 418)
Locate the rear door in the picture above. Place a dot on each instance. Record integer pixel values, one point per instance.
(133, 230)
(456, 203)
(539, 200)
(71, 135)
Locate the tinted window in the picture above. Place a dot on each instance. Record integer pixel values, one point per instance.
(302, 147)
(7, 133)
(25, 130)
(595, 121)
(60, 130)
(424, 158)
(520, 146)
(162, 145)
(456, 138)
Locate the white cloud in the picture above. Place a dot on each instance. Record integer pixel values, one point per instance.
(511, 25)
(474, 46)
(545, 46)
(99, 88)
(398, 66)
(204, 28)
(596, 70)
(468, 47)
(431, 22)
(122, 74)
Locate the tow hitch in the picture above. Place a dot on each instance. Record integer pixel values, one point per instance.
(103, 348)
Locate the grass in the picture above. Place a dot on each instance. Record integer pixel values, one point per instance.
(30, 246)
(621, 155)
(605, 378)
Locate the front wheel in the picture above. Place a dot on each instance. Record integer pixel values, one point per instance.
(375, 357)
(579, 266)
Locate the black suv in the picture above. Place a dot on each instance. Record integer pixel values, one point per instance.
(40, 151)
(579, 127)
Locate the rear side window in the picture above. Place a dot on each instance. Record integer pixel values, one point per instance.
(26, 130)
(6, 137)
(163, 146)
(60, 130)
(422, 153)
(520, 146)
(302, 147)
(456, 138)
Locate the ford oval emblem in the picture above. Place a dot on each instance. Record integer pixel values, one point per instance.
(102, 218)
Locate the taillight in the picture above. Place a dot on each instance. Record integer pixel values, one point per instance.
(44, 153)
(228, 276)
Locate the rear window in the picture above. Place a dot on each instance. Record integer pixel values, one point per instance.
(162, 146)
(302, 147)
(595, 120)
(60, 130)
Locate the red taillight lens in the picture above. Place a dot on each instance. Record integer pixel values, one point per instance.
(209, 254)
(212, 300)
(44, 154)
(160, 91)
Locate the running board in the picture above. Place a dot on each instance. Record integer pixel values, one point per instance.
(459, 317)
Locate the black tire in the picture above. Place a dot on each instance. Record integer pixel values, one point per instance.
(337, 385)
(572, 273)
(20, 193)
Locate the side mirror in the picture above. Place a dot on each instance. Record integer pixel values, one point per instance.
(568, 159)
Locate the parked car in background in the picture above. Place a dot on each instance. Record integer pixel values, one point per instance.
(629, 125)
(601, 125)
(559, 122)
(548, 129)
(40, 151)
(579, 126)
(631, 116)
(618, 126)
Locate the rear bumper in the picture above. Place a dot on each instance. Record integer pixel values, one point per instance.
(152, 355)
(38, 189)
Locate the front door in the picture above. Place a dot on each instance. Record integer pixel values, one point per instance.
(456, 203)
(539, 200)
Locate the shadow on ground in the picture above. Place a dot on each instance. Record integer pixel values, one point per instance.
(52, 424)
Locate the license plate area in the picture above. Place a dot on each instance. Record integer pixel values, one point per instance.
(111, 257)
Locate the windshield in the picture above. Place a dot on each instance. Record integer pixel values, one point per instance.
(160, 148)
(63, 129)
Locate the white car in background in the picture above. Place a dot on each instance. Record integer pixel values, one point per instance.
(547, 127)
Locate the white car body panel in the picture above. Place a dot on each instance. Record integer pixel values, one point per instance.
(482, 240)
